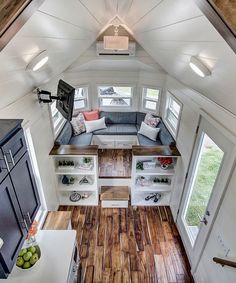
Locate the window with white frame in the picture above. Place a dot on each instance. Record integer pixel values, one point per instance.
(81, 98)
(57, 119)
(151, 98)
(172, 114)
(115, 96)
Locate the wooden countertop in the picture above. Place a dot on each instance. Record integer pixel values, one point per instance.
(161, 150)
(74, 150)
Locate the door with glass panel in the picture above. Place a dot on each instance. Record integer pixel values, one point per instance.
(210, 167)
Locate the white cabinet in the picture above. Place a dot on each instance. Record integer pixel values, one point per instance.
(76, 173)
(120, 141)
(151, 184)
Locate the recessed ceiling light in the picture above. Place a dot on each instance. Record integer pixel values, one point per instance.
(38, 61)
(199, 68)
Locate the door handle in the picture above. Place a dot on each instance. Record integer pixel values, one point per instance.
(29, 218)
(202, 220)
(24, 224)
(12, 159)
(5, 159)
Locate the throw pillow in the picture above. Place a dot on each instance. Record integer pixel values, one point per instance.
(91, 115)
(92, 126)
(148, 131)
(151, 120)
(78, 124)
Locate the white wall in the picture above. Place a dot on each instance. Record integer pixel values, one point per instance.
(193, 103)
(94, 78)
(36, 117)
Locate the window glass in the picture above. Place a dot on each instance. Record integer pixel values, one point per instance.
(172, 115)
(150, 98)
(115, 96)
(81, 98)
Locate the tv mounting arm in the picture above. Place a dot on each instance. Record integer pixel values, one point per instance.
(45, 96)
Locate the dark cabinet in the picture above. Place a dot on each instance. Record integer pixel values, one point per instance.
(19, 199)
(12, 225)
(25, 188)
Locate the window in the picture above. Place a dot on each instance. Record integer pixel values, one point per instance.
(151, 99)
(57, 119)
(115, 96)
(172, 114)
(81, 98)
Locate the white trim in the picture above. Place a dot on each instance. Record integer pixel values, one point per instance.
(144, 99)
(119, 107)
(174, 132)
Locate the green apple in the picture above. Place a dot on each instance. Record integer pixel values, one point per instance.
(26, 265)
(20, 261)
(27, 256)
(32, 250)
(22, 252)
(34, 259)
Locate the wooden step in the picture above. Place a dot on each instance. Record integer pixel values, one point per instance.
(58, 220)
(114, 196)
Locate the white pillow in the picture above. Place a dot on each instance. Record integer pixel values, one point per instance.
(94, 125)
(148, 131)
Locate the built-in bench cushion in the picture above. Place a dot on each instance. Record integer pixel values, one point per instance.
(82, 139)
(118, 129)
(165, 136)
(119, 117)
(140, 118)
(146, 141)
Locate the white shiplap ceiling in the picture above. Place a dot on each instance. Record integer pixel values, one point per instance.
(171, 31)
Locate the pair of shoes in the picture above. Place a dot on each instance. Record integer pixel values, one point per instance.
(155, 196)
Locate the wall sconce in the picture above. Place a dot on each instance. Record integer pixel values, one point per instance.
(38, 61)
(198, 67)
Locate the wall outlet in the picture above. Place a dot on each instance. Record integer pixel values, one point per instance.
(224, 248)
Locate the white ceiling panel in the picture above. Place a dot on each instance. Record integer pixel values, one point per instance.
(195, 30)
(71, 11)
(42, 25)
(138, 10)
(102, 10)
(162, 15)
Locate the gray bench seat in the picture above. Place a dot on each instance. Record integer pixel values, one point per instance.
(118, 123)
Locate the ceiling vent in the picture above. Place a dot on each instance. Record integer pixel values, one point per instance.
(101, 51)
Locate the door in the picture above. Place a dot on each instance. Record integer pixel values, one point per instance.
(210, 168)
(14, 148)
(25, 188)
(12, 226)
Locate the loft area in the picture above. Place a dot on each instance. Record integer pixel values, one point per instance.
(117, 137)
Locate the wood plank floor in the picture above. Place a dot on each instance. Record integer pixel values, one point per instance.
(127, 245)
(115, 163)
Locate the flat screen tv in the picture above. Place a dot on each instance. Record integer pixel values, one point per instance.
(65, 101)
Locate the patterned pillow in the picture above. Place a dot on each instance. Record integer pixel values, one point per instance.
(150, 120)
(78, 124)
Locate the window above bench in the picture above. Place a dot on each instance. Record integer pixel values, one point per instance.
(81, 98)
(151, 99)
(115, 96)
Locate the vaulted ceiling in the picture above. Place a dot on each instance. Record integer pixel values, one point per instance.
(170, 31)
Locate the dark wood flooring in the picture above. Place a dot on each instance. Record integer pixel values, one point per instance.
(115, 163)
(127, 245)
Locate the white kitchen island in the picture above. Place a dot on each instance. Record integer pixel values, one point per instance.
(56, 264)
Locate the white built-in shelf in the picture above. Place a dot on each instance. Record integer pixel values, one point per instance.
(64, 198)
(139, 199)
(76, 155)
(140, 192)
(155, 171)
(156, 188)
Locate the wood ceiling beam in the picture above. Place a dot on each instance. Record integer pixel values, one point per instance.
(13, 15)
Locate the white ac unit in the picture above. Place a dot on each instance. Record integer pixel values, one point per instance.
(106, 52)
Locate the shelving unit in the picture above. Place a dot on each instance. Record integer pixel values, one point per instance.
(155, 179)
(68, 163)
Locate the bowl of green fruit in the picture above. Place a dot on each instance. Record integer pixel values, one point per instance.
(28, 257)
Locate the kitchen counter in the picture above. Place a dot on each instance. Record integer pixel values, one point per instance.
(56, 256)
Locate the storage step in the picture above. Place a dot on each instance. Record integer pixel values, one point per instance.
(114, 196)
(58, 220)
